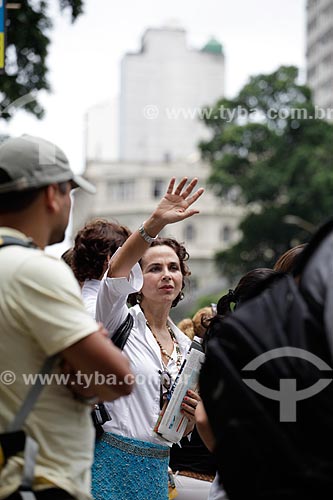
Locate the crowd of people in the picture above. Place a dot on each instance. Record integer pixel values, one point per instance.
(59, 317)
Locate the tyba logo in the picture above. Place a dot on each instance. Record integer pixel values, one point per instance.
(287, 395)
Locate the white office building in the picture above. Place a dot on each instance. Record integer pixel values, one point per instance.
(163, 87)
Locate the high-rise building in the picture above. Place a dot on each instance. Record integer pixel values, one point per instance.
(163, 87)
(319, 52)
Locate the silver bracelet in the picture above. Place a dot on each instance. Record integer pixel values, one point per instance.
(145, 235)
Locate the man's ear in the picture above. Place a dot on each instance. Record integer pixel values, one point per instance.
(52, 198)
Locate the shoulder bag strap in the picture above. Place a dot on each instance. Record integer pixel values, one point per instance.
(120, 337)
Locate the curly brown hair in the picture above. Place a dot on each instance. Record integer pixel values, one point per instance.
(182, 255)
(94, 243)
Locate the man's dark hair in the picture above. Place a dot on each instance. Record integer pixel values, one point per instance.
(20, 200)
(16, 201)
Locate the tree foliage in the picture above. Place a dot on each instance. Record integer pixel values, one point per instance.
(28, 31)
(273, 148)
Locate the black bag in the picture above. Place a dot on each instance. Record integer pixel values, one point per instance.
(100, 413)
(263, 449)
(120, 337)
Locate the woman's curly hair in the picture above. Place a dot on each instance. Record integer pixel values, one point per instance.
(93, 244)
(182, 255)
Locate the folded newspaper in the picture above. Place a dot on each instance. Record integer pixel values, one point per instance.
(171, 423)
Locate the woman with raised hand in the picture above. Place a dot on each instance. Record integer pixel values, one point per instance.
(131, 461)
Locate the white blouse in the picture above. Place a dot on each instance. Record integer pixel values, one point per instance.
(135, 415)
(89, 296)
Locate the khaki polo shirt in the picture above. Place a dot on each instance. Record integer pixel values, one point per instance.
(41, 313)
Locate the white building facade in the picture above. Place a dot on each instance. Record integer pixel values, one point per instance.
(319, 52)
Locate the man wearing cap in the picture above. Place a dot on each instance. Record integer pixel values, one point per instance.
(41, 315)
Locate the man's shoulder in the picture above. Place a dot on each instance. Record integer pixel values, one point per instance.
(35, 266)
(36, 258)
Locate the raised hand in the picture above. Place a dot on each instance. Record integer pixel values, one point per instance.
(175, 204)
(174, 207)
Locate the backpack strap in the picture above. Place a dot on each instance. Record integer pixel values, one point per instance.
(30, 457)
(6, 241)
(32, 396)
(31, 446)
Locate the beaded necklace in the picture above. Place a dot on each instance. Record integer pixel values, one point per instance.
(164, 351)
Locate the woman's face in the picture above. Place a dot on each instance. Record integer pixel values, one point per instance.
(161, 274)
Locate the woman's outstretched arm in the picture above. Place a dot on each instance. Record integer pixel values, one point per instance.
(174, 207)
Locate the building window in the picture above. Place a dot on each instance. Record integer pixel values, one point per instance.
(189, 233)
(312, 24)
(122, 190)
(226, 233)
(167, 157)
(326, 37)
(327, 11)
(158, 188)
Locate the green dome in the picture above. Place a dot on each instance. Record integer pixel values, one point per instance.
(213, 46)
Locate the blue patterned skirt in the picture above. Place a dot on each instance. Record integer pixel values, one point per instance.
(129, 469)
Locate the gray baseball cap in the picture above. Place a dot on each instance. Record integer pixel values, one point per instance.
(31, 162)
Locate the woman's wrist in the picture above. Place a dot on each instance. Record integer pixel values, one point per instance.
(148, 239)
(152, 226)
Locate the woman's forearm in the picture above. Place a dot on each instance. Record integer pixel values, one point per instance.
(133, 249)
(203, 427)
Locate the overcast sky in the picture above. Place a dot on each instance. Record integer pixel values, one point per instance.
(84, 58)
(257, 36)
